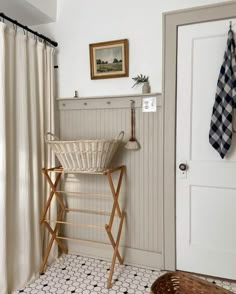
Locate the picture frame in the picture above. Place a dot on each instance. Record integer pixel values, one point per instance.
(109, 59)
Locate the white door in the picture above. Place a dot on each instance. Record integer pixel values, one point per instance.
(206, 191)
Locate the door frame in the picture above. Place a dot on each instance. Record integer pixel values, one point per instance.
(171, 22)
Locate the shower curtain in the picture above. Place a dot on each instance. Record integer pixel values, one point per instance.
(26, 113)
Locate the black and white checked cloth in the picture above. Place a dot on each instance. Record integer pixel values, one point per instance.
(220, 135)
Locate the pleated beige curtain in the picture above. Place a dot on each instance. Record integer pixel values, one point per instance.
(26, 114)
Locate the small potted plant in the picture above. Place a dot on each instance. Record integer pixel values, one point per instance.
(142, 79)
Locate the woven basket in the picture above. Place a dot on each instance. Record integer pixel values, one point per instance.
(183, 283)
(84, 155)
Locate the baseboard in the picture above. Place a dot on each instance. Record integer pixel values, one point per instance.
(131, 256)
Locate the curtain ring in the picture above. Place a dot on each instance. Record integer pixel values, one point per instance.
(38, 38)
(15, 27)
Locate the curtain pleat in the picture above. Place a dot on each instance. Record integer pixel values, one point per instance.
(26, 114)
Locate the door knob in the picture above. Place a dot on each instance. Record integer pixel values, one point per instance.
(183, 166)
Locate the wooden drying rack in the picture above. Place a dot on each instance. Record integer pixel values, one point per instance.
(59, 221)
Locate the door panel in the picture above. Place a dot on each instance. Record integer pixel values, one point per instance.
(206, 191)
(214, 222)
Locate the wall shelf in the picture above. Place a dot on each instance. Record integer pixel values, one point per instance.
(109, 97)
(105, 102)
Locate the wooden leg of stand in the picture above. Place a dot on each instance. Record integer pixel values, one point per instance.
(116, 251)
(42, 268)
(53, 187)
(50, 196)
(114, 194)
(59, 242)
(119, 184)
(113, 243)
(115, 198)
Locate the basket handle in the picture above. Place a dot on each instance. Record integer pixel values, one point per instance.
(51, 135)
(120, 136)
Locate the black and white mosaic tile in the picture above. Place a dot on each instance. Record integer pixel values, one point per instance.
(80, 274)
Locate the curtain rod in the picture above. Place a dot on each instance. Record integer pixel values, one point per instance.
(28, 29)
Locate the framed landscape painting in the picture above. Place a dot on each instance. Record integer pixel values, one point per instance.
(109, 59)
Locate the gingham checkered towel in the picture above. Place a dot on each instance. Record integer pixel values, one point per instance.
(220, 135)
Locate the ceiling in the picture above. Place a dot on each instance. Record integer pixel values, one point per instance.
(29, 12)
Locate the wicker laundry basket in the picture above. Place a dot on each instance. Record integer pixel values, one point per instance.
(84, 155)
(183, 283)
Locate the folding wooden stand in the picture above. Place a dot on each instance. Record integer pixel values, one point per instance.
(59, 221)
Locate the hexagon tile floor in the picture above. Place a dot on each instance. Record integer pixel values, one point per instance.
(80, 274)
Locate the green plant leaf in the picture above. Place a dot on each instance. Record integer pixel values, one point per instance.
(140, 78)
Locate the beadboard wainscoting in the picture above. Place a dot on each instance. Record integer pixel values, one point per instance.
(141, 194)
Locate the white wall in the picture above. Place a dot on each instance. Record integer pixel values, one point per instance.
(80, 23)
